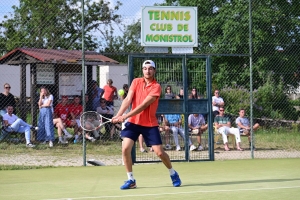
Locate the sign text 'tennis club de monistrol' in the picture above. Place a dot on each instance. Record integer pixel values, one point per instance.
(169, 26)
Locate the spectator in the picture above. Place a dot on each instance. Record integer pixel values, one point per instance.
(57, 122)
(97, 94)
(173, 122)
(108, 112)
(76, 111)
(45, 122)
(194, 94)
(14, 123)
(197, 125)
(62, 111)
(125, 88)
(110, 93)
(167, 134)
(223, 125)
(168, 93)
(244, 126)
(181, 93)
(6, 99)
(217, 102)
(88, 106)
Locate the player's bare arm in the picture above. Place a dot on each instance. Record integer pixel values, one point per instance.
(148, 100)
(124, 106)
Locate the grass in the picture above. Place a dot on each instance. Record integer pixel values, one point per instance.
(270, 139)
(278, 139)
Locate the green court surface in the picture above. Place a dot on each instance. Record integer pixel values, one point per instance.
(234, 179)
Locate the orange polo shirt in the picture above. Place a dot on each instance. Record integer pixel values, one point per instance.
(148, 116)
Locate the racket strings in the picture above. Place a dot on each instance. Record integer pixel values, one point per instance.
(91, 121)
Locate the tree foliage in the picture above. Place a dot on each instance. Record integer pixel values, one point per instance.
(57, 24)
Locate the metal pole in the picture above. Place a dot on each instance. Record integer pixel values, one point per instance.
(251, 81)
(83, 79)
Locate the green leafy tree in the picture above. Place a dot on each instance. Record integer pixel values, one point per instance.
(57, 24)
(128, 42)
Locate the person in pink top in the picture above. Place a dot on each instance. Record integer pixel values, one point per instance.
(110, 93)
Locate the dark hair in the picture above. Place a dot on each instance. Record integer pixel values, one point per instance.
(125, 86)
(168, 86)
(102, 99)
(196, 94)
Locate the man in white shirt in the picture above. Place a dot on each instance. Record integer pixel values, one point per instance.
(13, 123)
(217, 102)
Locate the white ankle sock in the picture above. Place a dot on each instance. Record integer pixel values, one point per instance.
(130, 176)
(172, 171)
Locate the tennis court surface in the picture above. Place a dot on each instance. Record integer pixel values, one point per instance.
(233, 179)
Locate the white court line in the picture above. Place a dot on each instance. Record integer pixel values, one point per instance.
(192, 192)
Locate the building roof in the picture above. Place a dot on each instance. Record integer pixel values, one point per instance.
(33, 55)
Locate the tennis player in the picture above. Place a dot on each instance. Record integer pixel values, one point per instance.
(143, 96)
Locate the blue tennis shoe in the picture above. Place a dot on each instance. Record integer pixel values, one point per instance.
(129, 184)
(176, 180)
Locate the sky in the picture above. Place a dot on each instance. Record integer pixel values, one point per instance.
(129, 9)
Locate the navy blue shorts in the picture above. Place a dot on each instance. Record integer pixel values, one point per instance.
(151, 135)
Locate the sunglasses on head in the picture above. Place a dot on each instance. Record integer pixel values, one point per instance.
(7, 87)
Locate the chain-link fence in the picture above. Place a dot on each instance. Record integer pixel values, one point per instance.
(44, 50)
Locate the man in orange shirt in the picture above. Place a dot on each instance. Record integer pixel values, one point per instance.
(110, 93)
(143, 95)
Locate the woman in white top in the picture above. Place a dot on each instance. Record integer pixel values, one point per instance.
(45, 123)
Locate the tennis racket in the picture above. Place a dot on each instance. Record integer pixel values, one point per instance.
(91, 121)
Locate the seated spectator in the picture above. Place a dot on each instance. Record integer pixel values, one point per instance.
(167, 133)
(194, 94)
(197, 125)
(181, 93)
(97, 94)
(108, 112)
(173, 122)
(125, 88)
(13, 123)
(168, 93)
(6, 99)
(76, 111)
(217, 102)
(110, 93)
(57, 122)
(62, 111)
(223, 125)
(244, 125)
(88, 104)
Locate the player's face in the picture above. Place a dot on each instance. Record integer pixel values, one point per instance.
(148, 72)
